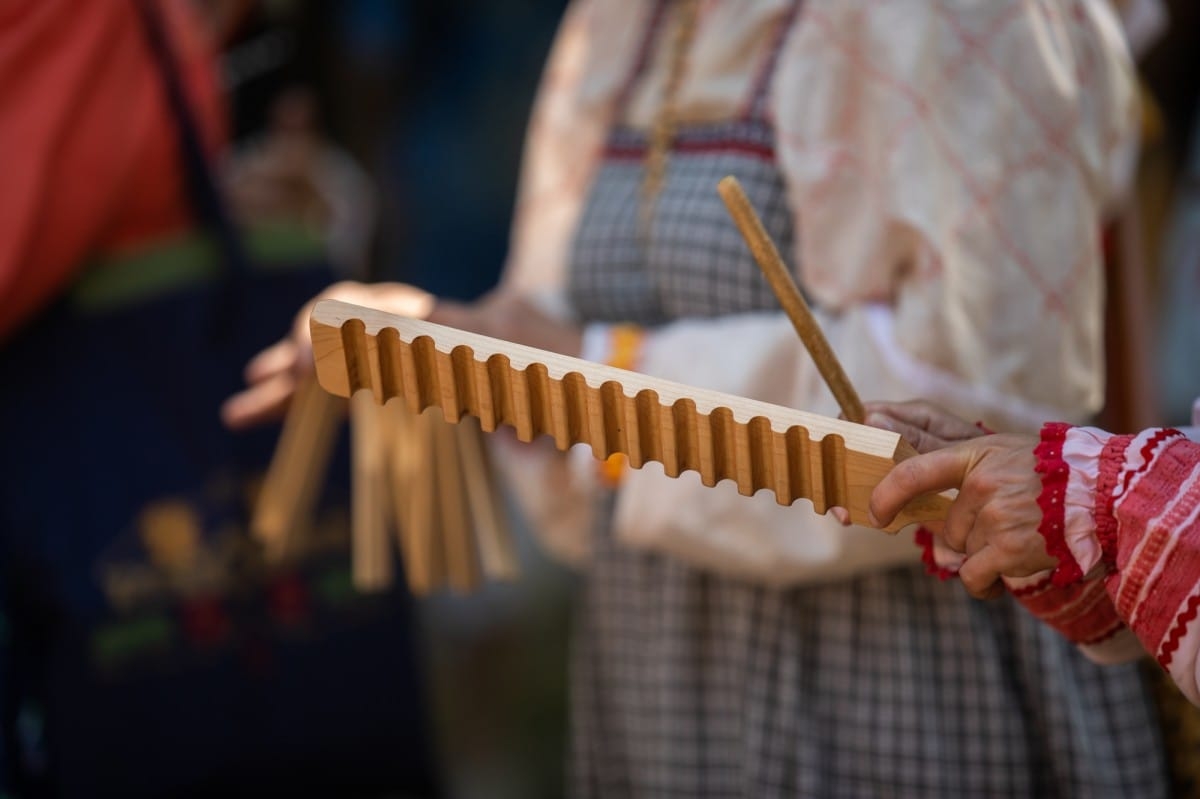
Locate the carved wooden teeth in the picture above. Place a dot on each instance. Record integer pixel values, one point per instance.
(571, 411)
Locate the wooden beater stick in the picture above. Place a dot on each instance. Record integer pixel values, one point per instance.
(789, 296)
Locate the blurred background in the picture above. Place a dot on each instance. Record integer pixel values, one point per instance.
(412, 116)
(431, 100)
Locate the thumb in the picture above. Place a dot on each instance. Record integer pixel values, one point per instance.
(922, 474)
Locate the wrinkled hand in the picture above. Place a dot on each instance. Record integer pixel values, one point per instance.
(922, 424)
(505, 315)
(995, 517)
(275, 372)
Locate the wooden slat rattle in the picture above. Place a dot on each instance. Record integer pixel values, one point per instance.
(796, 455)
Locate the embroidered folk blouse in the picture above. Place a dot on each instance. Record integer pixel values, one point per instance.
(1122, 514)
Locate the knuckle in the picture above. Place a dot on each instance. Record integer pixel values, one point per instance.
(991, 517)
(908, 477)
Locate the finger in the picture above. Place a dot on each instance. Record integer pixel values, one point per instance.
(944, 556)
(934, 471)
(960, 523)
(921, 440)
(841, 514)
(453, 314)
(1021, 553)
(277, 358)
(930, 418)
(917, 413)
(302, 324)
(263, 402)
(980, 574)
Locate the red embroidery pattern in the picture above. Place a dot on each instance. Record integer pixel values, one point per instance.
(1082, 612)
(1167, 651)
(1054, 472)
(636, 152)
(1147, 453)
(1117, 627)
(1159, 576)
(923, 538)
(1030, 590)
(1112, 458)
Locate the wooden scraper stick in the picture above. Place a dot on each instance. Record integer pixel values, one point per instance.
(777, 274)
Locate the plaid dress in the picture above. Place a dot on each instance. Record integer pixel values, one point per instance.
(690, 684)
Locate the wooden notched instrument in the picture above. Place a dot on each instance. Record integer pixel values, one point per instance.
(757, 445)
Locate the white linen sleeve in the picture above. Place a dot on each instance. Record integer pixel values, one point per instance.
(954, 160)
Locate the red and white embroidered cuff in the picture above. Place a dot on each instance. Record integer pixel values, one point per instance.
(940, 561)
(1054, 472)
(1082, 612)
(1082, 451)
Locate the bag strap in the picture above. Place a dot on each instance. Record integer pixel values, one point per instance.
(205, 197)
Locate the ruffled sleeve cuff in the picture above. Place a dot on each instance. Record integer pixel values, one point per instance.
(1079, 468)
(1090, 455)
(1055, 472)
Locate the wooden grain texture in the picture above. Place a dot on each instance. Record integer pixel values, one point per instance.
(417, 506)
(497, 552)
(371, 552)
(283, 511)
(794, 454)
(404, 455)
(462, 557)
(788, 293)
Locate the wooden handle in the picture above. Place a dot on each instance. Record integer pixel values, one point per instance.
(795, 454)
(777, 274)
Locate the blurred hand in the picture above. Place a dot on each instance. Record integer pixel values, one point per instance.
(922, 424)
(276, 179)
(995, 517)
(273, 374)
(510, 317)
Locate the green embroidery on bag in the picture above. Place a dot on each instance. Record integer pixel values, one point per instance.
(115, 643)
(337, 587)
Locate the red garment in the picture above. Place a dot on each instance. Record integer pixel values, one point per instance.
(89, 165)
(1140, 532)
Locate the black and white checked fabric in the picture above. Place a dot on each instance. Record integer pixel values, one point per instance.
(693, 263)
(686, 684)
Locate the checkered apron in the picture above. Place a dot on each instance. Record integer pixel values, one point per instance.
(690, 684)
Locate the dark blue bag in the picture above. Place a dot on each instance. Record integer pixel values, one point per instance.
(146, 648)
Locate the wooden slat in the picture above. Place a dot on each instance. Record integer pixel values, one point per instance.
(497, 554)
(371, 552)
(454, 528)
(284, 508)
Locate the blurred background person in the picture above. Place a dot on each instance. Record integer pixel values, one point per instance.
(147, 648)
